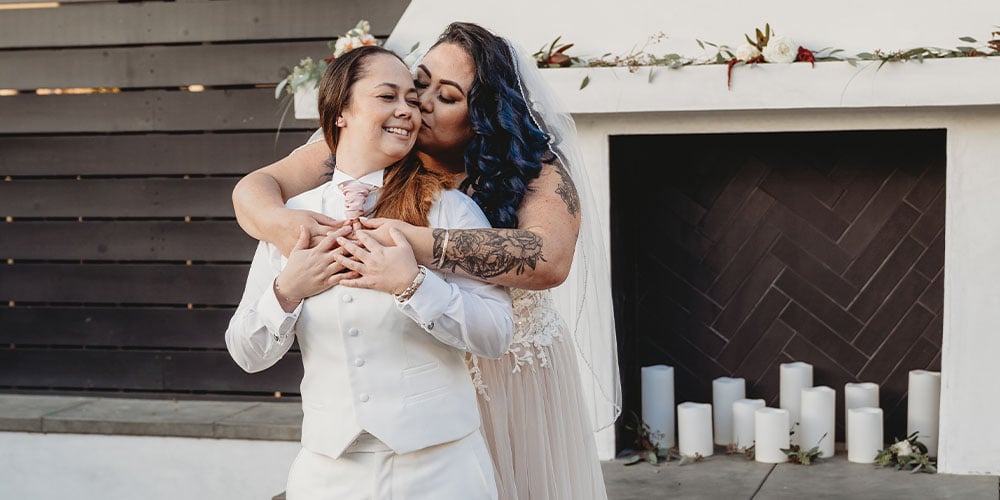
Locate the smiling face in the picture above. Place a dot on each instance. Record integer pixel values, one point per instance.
(381, 115)
(444, 78)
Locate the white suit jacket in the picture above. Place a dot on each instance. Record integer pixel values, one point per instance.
(394, 370)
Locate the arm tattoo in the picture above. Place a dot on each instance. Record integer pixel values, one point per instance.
(487, 253)
(567, 190)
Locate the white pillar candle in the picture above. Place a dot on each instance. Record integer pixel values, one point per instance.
(923, 408)
(819, 407)
(859, 395)
(743, 421)
(694, 429)
(794, 377)
(726, 391)
(658, 402)
(864, 434)
(771, 432)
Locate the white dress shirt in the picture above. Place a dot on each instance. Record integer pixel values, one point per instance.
(461, 312)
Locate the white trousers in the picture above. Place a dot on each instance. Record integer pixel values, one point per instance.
(459, 469)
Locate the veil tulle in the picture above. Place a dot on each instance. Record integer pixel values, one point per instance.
(585, 297)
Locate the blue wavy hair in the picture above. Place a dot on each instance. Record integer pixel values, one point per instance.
(507, 149)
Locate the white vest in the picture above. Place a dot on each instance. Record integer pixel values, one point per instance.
(369, 367)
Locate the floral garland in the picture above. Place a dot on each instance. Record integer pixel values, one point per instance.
(764, 47)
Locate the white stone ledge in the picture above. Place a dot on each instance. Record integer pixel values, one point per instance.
(830, 85)
(144, 417)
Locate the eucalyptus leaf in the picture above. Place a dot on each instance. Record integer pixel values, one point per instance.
(585, 82)
(632, 460)
(279, 88)
(968, 39)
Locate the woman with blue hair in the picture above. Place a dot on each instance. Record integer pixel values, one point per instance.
(489, 121)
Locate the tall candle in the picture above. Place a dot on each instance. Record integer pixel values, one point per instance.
(743, 421)
(726, 391)
(864, 434)
(859, 395)
(819, 405)
(923, 408)
(694, 429)
(771, 431)
(658, 402)
(794, 377)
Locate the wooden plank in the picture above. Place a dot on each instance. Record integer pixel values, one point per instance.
(193, 21)
(155, 66)
(217, 372)
(146, 111)
(123, 283)
(125, 240)
(196, 197)
(142, 370)
(115, 327)
(163, 154)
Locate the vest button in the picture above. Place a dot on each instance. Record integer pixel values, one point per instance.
(364, 398)
(359, 362)
(353, 332)
(347, 298)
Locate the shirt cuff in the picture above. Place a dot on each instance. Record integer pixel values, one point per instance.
(429, 301)
(278, 322)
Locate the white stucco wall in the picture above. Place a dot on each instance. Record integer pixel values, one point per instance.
(600, 26)
(97, 467)
(961, 96)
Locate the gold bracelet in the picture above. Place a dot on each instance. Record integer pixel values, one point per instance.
(444, 249)
(410, 290)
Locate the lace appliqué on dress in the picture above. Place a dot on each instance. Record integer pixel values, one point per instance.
(537, 325)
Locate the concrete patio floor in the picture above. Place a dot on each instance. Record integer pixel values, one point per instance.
(723, 477)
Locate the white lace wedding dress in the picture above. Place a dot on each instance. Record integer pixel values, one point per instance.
(533, 414)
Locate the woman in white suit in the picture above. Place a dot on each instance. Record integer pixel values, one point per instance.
(389, 409)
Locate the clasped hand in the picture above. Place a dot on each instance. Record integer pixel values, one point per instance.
(348, 256)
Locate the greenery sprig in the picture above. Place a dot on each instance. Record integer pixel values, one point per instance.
(647, 449)
(909, 454)
(797, 455)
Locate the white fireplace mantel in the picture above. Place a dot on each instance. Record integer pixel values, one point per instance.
(828, 85)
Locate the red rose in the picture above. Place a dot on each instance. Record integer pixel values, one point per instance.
(806, 55)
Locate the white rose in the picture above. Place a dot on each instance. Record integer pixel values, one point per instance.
(368, 40)
(342, 46)
(747, 52)
(903, 448)
(780, 49)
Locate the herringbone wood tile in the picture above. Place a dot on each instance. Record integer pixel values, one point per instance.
(755, 249)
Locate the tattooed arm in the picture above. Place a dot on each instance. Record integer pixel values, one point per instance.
(536, 255)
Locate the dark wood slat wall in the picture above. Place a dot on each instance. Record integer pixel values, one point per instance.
(120, 259)
(147, 23)
(157, 66)
(760, 249)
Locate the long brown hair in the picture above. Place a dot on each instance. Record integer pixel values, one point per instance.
(409, 189)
